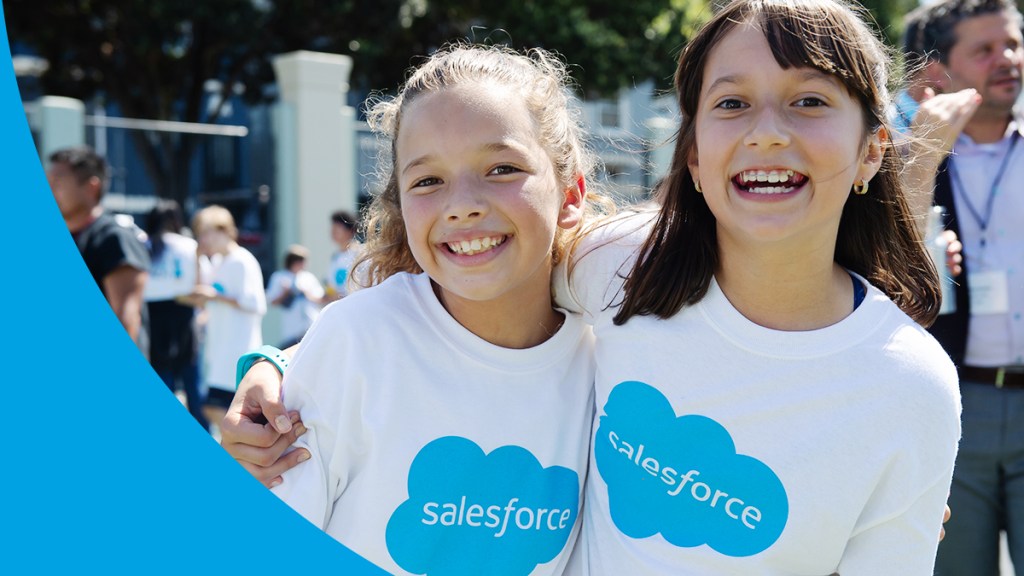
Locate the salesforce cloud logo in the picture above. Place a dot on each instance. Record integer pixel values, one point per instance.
(681, 476)
(470, 513)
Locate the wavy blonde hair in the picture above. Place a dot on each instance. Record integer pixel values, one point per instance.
(539, 76)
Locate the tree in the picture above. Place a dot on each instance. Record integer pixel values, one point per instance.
(888, 15)
(153, 57)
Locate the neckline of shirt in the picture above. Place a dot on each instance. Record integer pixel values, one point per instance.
(845, 334)
(966, 145)
(564, 342)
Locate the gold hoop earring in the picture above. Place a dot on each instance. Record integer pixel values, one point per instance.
(696, 184)
(860, 189)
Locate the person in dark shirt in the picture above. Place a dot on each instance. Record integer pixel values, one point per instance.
(111, 247)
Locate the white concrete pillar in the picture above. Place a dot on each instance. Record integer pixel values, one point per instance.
(316, 161)
(57, 122)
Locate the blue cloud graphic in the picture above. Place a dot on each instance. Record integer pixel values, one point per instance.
(681, 477)
(470, 513)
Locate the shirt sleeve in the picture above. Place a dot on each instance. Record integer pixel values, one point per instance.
(245, 285)
(119, 247)
(310, 285)
(275, 286)
(898, 528)
(590, 279)
(903, 543)
(315, 385)
(307, 488)
(189, 272)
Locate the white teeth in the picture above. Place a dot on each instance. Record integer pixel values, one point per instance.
(769, 190)
(770, 177)
(476, 245)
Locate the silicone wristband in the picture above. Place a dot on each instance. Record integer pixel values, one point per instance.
(266, 352)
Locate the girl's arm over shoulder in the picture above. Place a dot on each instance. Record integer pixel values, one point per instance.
(588, 279)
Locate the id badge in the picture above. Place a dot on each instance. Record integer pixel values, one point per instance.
(990, 292)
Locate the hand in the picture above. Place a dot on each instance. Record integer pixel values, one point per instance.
(937, 124)
(954, 253)
(257, 430)
(201, 294)
(941, 118)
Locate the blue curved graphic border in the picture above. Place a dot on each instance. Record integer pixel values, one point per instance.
(104, 470)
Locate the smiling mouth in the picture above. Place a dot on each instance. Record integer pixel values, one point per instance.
(476, 245)
(768, 181)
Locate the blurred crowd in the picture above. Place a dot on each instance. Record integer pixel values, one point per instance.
(191, 297)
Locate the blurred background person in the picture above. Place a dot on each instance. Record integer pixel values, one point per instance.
(235, 304)
(111, 247)
(344, 225)
(298, 292)
(973, 54)
(172, 277)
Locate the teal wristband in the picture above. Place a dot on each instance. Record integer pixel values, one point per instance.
(266, 352)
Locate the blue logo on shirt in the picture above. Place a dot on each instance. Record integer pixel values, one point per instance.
(340, 276)
(470, 513)
(681, 476)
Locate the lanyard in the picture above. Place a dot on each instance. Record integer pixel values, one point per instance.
(983, 222)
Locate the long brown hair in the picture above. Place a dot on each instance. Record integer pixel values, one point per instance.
(877, 237)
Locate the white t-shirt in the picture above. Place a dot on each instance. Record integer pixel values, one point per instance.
(298, 316)
(722, 447)
(173, 274)
(340, 272)
(434, 451)
(230, 331)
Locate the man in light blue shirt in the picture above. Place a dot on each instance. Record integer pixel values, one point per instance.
(974, 48)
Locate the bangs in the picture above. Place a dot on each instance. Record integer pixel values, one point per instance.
(823, 35)
(803, 35)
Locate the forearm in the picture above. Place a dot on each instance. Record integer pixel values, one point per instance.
(241, 303)
(123, 288)
(224, 299)
(129, 313)
(936, 126)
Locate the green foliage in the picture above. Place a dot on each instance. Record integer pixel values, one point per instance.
(888, 15)
(138, 51)
(153, 57)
